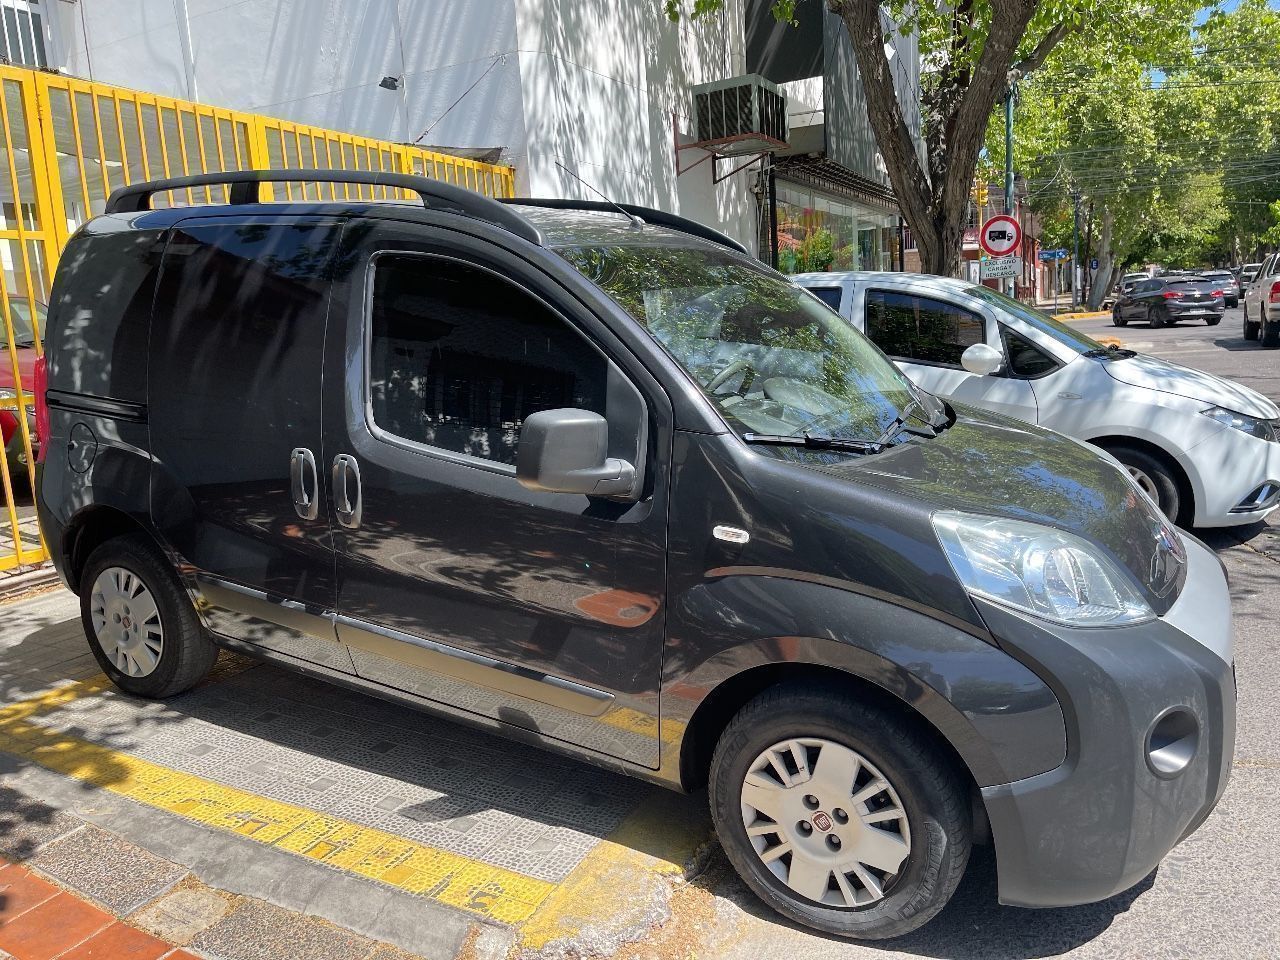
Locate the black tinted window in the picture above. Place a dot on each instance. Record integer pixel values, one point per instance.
(917, 328)
(1025, 359)
(828, 295)
(459, 357)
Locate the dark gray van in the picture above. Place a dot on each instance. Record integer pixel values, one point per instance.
(597, 480)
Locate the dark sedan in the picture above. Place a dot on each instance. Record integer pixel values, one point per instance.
(1163, 301)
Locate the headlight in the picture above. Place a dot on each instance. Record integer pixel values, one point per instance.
(1039, 570)
(1262, 429)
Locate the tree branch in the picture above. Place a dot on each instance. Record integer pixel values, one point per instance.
(1036, 58)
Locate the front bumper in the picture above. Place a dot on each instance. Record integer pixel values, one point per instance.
(1104, 819)
(1231, 468)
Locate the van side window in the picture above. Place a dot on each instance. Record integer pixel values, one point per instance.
(459, 357)
(920, 329)
(828, 295)
(1025, 358)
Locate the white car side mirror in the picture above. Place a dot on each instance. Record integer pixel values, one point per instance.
(982, 359)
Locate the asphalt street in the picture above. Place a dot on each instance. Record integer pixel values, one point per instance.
(283, 793)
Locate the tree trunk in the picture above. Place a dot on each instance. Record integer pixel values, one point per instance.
(934, 198)
(1106, 262)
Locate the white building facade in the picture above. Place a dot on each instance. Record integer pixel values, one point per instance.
(558, 89)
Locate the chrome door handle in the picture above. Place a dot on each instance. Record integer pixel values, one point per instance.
(347, 500)
(306, 503)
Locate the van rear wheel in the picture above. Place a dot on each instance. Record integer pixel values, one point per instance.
(839, 815)
(141, 627)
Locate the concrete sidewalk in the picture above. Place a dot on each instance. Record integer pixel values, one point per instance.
(279, 803)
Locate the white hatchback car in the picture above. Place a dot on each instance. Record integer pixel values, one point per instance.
(1203, 447)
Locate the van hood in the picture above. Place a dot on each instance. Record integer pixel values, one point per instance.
(1156, 374)
(997, 466)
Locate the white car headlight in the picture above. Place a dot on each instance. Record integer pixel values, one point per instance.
(1255, 427)
(1039, 570)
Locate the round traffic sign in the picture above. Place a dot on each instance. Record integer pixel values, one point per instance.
(1000, 235)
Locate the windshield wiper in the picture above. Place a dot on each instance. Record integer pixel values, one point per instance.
(900, 424)
(815, 443)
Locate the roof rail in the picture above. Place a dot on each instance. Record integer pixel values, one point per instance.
(649, 215)
(435, 194)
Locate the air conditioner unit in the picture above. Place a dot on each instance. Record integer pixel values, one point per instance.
(739, 116)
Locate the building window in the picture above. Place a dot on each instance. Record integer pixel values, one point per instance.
(23, 33)
(818, 232)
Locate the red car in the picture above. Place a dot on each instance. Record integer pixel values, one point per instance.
(25, 341)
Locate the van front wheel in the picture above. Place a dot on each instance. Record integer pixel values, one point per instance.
(141, 626)
(839, 815)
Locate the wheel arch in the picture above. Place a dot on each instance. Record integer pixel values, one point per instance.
(720, 706)
(1181, 475)
(89, 529)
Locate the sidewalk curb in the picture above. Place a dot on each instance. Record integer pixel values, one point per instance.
(1093, 315)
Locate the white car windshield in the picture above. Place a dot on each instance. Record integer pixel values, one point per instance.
(1065, 334)
(771, 356)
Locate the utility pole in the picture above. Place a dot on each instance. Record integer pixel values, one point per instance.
(1008, 169)
(1075, 242)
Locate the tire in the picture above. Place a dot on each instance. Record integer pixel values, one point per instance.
(1271, 335)
(158, 650)
(1250, 329)
(1154, 476)
(931, 804)
(1212, 321)
(1156, 318)
(1117, 320)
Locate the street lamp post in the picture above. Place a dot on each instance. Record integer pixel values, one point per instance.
(1008, 168)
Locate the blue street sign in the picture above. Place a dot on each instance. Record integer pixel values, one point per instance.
(1093, 264)
(1053, 254)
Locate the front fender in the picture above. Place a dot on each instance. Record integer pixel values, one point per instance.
(1001, 719)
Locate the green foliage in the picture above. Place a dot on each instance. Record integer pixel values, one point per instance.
(1176, 139)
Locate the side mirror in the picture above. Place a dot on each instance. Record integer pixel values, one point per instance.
(567, 451)
(982, 359)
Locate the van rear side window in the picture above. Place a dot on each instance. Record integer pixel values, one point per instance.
(458, 357)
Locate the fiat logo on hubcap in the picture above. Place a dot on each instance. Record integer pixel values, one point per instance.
(822, 821)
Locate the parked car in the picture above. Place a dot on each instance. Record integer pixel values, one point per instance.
(1247, 274)
(1204, 448)
(1261, 303)
(580, 476)
(1225, 281)
(24, 340)
(1163, 301)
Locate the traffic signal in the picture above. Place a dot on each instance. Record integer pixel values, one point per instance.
(981, 194)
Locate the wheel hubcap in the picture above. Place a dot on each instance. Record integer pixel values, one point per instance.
(126, 622)
(1145, 482)
(825, 822)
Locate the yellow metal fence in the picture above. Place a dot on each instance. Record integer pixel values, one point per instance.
(67, 143)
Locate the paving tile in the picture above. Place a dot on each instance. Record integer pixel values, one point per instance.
(261, 931)
(117, 874)
(26, 824)
(119, 942)
(52, 928)
(182, 915)
(20, 891)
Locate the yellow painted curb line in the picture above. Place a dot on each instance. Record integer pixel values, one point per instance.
(449, 878)
(1093, 315)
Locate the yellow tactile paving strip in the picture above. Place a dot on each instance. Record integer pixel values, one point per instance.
(439, 875)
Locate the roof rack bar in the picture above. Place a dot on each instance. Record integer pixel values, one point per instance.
(658, 218)
(435, 194)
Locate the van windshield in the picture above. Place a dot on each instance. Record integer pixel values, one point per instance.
(772, 357)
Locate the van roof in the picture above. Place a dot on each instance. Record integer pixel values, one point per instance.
(545, 222)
